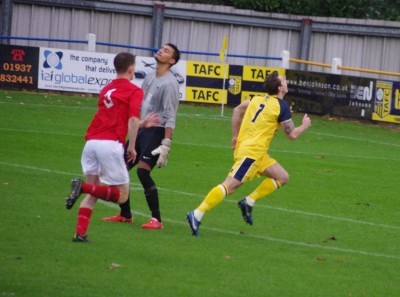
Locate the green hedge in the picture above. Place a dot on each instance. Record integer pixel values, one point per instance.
(358, 9)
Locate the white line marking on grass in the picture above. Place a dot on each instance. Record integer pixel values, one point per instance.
(293, 152)
(216, 117)
(209, 117)
(204, 116)
(305, 244)
(334, 155)
(137, 187)
(300, 212)
(223, 146)
(306, 213)
(353, 138)
(51, 106)
(40, 132)
(267, 238)
(37, 168)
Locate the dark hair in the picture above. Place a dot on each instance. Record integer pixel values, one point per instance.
(123, 61)
(272, 83)
(177, 53)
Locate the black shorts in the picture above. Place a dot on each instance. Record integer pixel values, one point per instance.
(148, 139)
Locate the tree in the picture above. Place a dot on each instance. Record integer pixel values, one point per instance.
(358, 9)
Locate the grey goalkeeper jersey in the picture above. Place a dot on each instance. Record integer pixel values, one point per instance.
(161, 95)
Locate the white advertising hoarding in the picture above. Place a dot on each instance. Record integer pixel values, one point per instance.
(74, 71)
(89, 72)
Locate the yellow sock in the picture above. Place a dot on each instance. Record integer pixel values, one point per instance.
(267, 186)
(213, 198)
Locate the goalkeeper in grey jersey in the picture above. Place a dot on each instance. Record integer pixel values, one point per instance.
(161, 96)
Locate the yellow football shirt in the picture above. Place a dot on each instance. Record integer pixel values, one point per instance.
(259, 126)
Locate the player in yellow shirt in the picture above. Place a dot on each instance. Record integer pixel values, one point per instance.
(254, 125)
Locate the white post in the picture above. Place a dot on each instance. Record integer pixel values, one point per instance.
(223, 91)
(335, 63)
(285, 59)
(223, 56)
(91, 45)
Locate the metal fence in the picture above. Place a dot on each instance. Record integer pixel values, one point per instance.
(199, 30)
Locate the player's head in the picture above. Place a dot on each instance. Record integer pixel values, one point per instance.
(275, 84)
(123, 61)
(177, 53)
(168, 54)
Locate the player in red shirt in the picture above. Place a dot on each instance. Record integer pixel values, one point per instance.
(102, 160)
(161, 91)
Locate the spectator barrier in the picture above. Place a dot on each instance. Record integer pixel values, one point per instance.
(40, 68)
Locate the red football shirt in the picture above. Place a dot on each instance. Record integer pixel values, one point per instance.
(118, 101)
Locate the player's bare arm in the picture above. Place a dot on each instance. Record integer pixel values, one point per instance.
(237, 116)
(168, 133)
(293, 132)
(152, 119)
(133, 127)
(287, 127)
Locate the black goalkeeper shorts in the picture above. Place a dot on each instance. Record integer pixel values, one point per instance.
(148, 139)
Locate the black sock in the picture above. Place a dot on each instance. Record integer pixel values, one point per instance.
(126, 208)
(150, 191)
(152, 201)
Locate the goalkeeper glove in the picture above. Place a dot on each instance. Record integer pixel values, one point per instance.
(163, 151)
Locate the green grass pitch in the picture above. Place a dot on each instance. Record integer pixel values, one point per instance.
(334, 230)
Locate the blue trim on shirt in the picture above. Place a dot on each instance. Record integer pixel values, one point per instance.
(285, 113)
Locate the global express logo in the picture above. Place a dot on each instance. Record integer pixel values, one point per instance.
(52, 60)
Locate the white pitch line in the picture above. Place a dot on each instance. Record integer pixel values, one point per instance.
(51, 106)
(137, 187)
(294, 152)
(236, 233)
(40, 132)
(38, 169)
(312, 245)
(300, 212)
(306, 213)
(267, 238)
(353, 138)
(221, 146)
(211, 117)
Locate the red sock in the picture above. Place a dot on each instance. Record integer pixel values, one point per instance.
(107, 193)
(84, 215)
